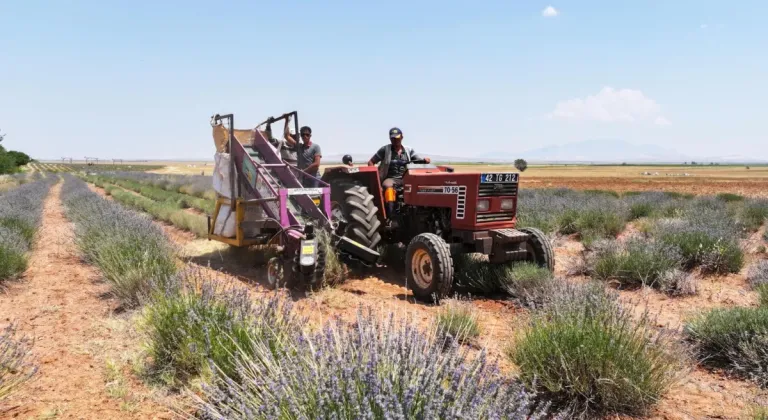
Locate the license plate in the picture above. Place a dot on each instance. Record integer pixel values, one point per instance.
(507, 178)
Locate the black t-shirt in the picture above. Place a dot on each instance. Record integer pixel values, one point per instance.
(399, 160)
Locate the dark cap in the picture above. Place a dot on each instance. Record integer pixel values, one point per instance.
(395, 133)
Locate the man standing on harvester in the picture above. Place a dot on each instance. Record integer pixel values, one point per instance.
(308, 153)
(393, 158)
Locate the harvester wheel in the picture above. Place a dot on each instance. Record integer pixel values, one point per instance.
(355, 212)
(429, 267)
(276, 272)
(539, 248)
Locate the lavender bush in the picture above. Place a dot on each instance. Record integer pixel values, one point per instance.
(458, 320)
(15, 364)
(634, 262)
(586, 352)
(193, 320)
(524, 282)
(20, 215)
(565, 211)
(758, 278)
(128, 248)
(707, 236)
(733, 338)
(378, 368)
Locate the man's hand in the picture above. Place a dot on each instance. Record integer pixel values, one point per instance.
(370, 163)
(428, 160)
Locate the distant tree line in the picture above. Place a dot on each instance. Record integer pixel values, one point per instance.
(11, 160)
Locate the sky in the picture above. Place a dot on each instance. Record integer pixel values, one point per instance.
(141, 79)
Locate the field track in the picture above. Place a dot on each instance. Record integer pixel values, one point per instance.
(60, 303)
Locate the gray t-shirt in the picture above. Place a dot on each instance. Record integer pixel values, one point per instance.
(399, 160)
(307, 156)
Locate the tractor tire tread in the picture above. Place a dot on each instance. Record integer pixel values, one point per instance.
(545, 256)
(437, 247)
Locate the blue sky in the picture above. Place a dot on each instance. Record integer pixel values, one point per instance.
(141, 79)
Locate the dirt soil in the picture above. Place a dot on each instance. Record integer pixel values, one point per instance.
(82, 347)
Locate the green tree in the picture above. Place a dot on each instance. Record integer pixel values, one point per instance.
(10, 161)
(521, 165)
(20, 158)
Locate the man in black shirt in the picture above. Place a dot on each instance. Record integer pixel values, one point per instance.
(393, 159)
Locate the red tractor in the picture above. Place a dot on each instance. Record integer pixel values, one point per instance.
(438, 214)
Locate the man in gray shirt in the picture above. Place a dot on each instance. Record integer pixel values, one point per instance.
(309, 155)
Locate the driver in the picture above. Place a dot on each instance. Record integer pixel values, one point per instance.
(393, 158)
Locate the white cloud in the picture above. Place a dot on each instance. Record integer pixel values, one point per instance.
(550, 11)
(611, 105)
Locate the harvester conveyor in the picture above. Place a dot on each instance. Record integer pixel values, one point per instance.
(289, 213)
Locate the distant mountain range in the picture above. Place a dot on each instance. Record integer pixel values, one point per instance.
(588, 151)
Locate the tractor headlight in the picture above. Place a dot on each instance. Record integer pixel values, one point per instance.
(307, 260)
(483, 205)
(507, 204)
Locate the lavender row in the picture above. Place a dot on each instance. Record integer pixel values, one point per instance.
(127, 247)
(20, 216)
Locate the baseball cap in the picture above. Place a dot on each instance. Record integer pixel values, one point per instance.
(395, 133)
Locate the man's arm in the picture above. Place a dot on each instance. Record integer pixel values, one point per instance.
(377, 157)
(415, 156)
(287, 133)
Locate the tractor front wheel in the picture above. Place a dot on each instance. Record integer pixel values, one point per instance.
(539, 249)
(429, 267)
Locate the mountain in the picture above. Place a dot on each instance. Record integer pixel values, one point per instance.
(614, 151)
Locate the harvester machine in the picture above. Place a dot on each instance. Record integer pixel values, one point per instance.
(261, 200)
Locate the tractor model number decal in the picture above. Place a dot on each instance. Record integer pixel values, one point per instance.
(509, 177)
(448, 189)
(460, 191)
(353, 170)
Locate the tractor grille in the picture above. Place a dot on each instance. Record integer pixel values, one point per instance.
(496, 190)
(497, 216)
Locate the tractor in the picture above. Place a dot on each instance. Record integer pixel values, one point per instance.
(438, 214)
(435, 212)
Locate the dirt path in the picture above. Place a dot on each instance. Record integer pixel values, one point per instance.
(81, 347)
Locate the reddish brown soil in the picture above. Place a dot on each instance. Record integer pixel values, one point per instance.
(60, 303)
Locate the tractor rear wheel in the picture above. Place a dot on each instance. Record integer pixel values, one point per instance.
(352, 207)
(539, 249)
(429, 267)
